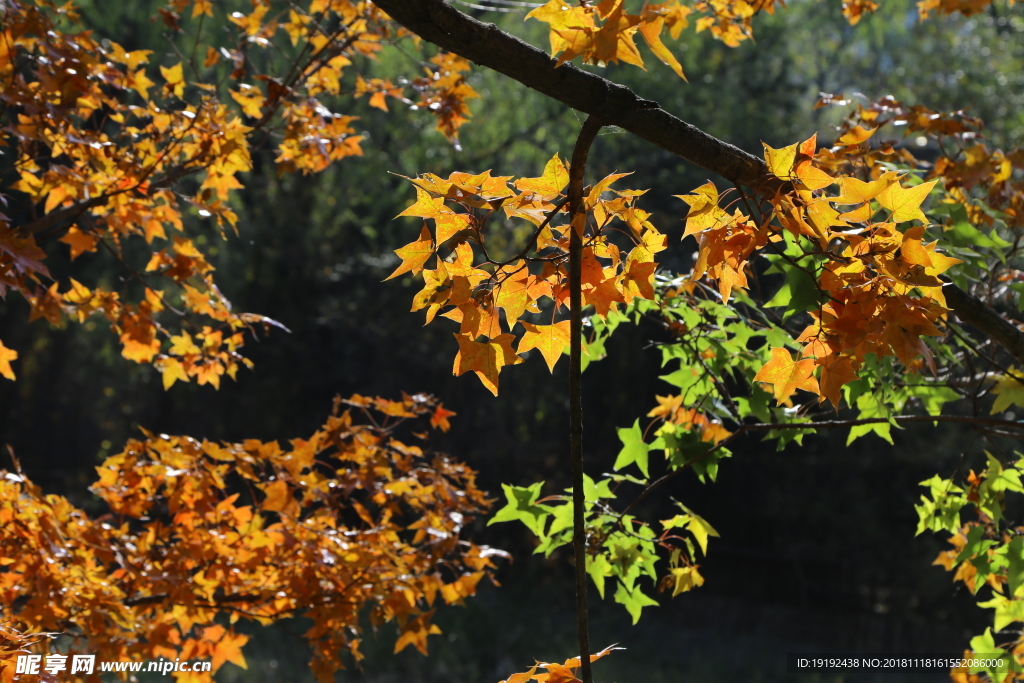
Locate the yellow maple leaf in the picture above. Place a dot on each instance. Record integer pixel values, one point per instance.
(414, 254)
(550, 340)
(202, 7)
(571, 27)
(550, 183)
(6, 356)
(685, 579)
(172, 370)
(175, 78)
(651, 33)
(856, 191)
(780, 161)
(905, 202)
(705, 213)
(613, 42)
(250, 98)
(855, 136)
(1009, 390)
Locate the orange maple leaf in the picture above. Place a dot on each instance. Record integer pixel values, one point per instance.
(439, 418)
(80, 242)
(415, 633)
(278, 496)
(486, 359)
(836, 371)
(229, 649)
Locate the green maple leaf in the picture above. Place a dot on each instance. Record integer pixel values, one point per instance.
(1009, 390)
(634, 450)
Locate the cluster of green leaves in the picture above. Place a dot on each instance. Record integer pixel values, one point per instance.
(987, 550)
(711, 360)
(619, 546)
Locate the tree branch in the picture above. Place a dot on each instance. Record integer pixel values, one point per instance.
(985, 319)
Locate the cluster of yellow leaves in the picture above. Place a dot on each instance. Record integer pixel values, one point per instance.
(879, 282)
(443, 90)
(346, 524)
(476, 289)
(557, 673)
(853, 10)
(730, 20)
(605, 33)
(99, 139)
(944, 7)
(980, 179)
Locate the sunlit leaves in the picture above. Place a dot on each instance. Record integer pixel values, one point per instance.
(486, 358)
(786, 375)
(102, 185)
(550, 340)
(491, 297)
(870, 284)
(250, 99)
(605, 33)
(414, 254)
(905, 203)
(174, 78)
(80, 242)
(346, 523)
(556, 673)
(634, 450)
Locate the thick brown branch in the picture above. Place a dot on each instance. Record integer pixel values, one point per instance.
(59, 216)
(985, 319)
(65, 216)
(159, 598)
(614, 104)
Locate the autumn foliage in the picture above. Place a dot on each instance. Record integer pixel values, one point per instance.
(101, 141)
(118, 155)
(350, 523)
(489, 296)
